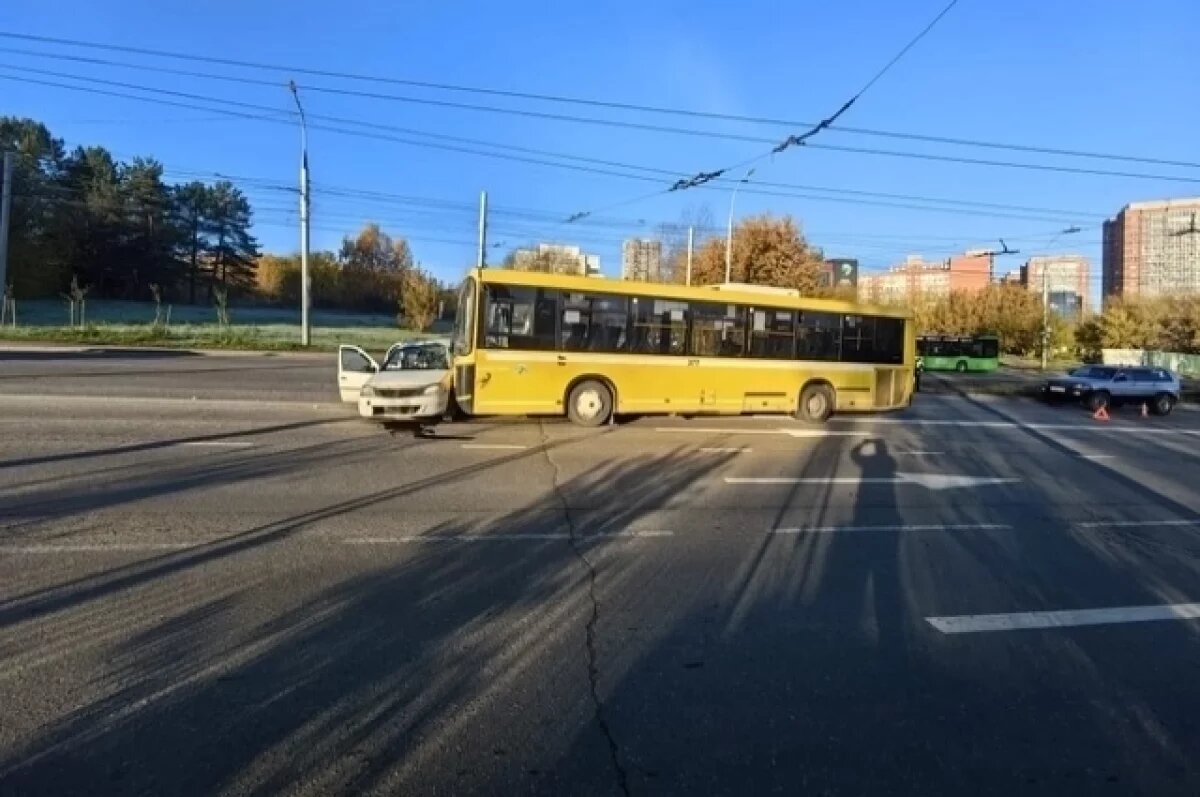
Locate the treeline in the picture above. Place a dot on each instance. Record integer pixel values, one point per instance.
(1165, 324)
(117, 227)
(372, 271)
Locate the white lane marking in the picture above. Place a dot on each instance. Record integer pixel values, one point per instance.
(1021, 621)
(932, 481)
(1099, 524)
(100, 548)
(917, 453)
(1075, 427)
(215, 444)
(785, 432)
(910, 527)
(1097, 456)
(490, 446)
(711, 450)
(499, 537)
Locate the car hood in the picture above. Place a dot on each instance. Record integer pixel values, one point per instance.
(407, 378)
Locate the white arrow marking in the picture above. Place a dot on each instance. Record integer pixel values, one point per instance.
(932, 481)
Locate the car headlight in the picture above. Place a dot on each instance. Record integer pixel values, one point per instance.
(367, 391)
(433, 390)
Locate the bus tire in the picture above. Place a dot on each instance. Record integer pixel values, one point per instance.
(816, 403)
(590, 403)
(961, 366)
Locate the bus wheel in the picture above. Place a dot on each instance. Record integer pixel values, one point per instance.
(590, 403)
(961, 366)
(816, 404)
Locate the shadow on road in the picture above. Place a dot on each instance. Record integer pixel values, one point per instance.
(737, 662)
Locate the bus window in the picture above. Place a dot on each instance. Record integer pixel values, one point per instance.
(889, 341)
(858, 338)
(718, 330)
(659, 326)
(772, 333)
(594, 322)
(461, 341)
(818, 336)
(520, 318)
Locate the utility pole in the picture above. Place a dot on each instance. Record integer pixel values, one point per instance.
(691, 239)
(305, 282)
(481, 257)
(5, 215)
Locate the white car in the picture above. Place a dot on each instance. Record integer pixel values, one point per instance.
(413, 384)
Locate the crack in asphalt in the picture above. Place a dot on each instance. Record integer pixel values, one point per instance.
(593, 670)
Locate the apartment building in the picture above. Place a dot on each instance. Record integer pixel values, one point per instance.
(1152, 249)
(920, 278)
(1064, 278)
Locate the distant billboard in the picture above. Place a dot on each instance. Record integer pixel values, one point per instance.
(842, 271)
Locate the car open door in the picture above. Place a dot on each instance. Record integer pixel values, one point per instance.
(355, 367)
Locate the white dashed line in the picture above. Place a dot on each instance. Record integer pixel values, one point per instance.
(494, 446)
(1099, 524)
(726, 450)
(901, 528)
(1022, 621)
(499, 537)
(215, 444)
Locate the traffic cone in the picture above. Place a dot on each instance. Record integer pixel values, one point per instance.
(1101, 414)
(1145, 410)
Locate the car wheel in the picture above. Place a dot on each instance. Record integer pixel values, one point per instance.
(816, 404)
(1163, 404)
(590, 403)
(961, 366)
(1099, 399)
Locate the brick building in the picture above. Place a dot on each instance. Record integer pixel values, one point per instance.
(1153, 249)
(1065, 280)
(916, 277)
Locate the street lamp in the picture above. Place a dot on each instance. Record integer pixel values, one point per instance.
(729, 232)
(1046, 298)
(305, 298)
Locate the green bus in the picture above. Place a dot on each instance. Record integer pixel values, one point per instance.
(958, 353)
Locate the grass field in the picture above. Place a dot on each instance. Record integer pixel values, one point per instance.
(131, 324)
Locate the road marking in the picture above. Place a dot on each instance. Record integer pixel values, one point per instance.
(711, 450)
(499, 537)
(781, 431)
(1021, 621)
(99, 548)
(911, 527)
(1098, 524)
(931, 481)
(1071, 427)
(490, 446)
(917, 453)
(215, 444)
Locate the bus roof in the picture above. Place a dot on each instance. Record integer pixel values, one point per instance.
(733, 292)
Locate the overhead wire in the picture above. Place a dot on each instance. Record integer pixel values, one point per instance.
(572, 100)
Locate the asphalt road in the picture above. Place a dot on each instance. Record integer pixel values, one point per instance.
(255, 597)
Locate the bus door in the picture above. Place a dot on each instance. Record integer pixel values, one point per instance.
(462, 347)
(518, 365)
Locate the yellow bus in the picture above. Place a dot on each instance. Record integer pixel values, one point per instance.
(528, 343)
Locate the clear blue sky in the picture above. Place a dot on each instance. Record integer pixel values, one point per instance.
(1097, 75)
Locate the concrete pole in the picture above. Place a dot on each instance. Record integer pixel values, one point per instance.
(10, 163)
(305, 228)
(691, 240)
(1045, 315)
(481, 257)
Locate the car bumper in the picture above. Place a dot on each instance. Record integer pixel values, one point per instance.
(1063, 391)
(402, 409)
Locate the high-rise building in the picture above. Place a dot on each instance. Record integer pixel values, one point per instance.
(915, 278)
(1064, 278)
(641, 260)
(1153, 249)
(557, 259)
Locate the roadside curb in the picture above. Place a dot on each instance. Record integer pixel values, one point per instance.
(100, 349)
(261, 404)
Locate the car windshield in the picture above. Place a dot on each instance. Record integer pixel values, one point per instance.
(418, 357)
